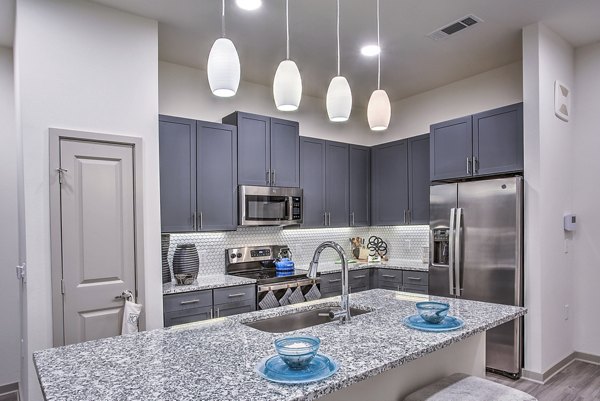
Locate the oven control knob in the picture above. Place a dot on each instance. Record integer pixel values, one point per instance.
(232, 256)
(239, 255)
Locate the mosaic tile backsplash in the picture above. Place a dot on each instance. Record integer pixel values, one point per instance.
(404, 242)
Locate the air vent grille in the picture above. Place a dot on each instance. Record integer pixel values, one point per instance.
(456, 26)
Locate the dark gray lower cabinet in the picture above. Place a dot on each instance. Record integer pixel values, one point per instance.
(415, 281)
(389, 279)
(359, 280)
(331, 284)
(194, 306)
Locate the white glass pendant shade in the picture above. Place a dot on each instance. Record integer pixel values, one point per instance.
(223, 68)
(339, 99)
(287, 86)
(379, 110)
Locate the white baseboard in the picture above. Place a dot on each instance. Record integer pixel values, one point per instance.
(548, 374)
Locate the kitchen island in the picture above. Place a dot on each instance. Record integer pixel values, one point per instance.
(215, 360)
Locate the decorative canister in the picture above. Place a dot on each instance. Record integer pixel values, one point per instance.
(166, 272)
(186, 263)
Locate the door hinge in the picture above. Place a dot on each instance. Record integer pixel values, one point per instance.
(62, 286)
(61, 172)
(21, 272)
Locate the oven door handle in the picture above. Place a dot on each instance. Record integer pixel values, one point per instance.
(285, 285)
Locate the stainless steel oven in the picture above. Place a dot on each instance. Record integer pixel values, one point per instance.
(269, 206)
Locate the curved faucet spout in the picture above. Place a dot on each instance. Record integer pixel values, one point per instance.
(344, 312)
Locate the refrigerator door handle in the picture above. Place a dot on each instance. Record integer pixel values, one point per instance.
(451, 251)
(457, 252)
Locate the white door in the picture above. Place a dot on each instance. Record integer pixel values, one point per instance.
(98, 236)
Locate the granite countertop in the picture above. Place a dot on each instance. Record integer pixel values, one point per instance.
(206, 283)
(215, 359)
(395, 264)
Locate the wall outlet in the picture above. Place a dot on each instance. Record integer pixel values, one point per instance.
(566, 311)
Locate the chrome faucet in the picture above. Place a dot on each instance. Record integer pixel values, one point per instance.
(343, 314)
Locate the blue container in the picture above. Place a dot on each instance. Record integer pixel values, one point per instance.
(297, 352)
(284, 264)
(433, 312)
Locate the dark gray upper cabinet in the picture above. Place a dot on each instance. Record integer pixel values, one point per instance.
(312, 181)
(486, 143)
(389, 183)
(418, 179)
(198, 175)
(498, 140)
(360, 179)
(177, 157)
(268, 150)
(337, 190)
(451, 149)
(216, 172)
(285, 153)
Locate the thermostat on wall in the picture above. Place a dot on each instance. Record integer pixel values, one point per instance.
(570, 222)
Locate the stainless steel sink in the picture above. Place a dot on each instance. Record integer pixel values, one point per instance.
(298, 320)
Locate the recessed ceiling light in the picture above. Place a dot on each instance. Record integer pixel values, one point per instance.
(370, 50)
(249, 5)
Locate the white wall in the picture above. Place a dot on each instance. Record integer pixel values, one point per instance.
(413, 116)
(586, 192)
(184, 92)
(9, 256)
(548, 175)
(88, 67)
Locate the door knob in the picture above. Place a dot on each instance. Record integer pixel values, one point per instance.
(126, 295)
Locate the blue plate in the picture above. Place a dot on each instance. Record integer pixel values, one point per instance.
(274, 369)
(448, 324)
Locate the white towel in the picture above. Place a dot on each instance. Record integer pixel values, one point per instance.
(285, 298)
(131, 315)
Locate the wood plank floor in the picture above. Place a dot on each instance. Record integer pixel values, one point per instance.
(580, 381)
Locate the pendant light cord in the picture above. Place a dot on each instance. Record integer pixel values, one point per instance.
(223, 20)
(287, 30)
(338, 37)
(378, 54)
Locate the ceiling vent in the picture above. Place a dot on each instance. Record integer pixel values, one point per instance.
(454, 27)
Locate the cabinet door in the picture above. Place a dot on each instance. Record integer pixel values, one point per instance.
(187, 316)
(254, 147)
(389, 183)
(337, 193)
(177, 158)
(418, 179)
(216, 176)
(285, 153)
(450, 147)
(360, 177)
(312, 181)
(234, 308)
(498, 140)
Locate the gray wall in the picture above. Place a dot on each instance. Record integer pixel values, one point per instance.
(9, 290)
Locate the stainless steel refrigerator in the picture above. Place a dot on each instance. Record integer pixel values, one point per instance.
(476, 234)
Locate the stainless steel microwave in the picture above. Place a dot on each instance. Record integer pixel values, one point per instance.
(269, 206)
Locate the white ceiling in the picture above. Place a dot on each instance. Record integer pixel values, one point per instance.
(7, 22)
(411, 62)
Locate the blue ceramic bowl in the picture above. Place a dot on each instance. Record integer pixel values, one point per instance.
(433, 312)
(297, 352)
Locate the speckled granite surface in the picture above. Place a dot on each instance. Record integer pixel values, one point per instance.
(206, 283)
(214, 360)
(395, 264)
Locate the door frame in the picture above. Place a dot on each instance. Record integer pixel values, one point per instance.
(55, 136)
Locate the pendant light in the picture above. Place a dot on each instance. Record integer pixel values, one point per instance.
(379, 110)
(287, 84)
(223, 67)
(339, 95)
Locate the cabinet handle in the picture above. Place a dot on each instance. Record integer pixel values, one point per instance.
(272, 177)
(388, 276)
(335, 280)
(241, 294)
(218, 312)
(199, 227)
(468, 166)
(194, 228)
(414, 278)
(352, 214)
(361, 276)
(211, 313)
(268, 178)
(324, 218)
(329, 219)
(409, 216)
(399, 288)
(193, 301)
(475, 164)
(404, 216)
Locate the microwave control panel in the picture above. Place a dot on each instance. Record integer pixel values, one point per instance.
(296, 208)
